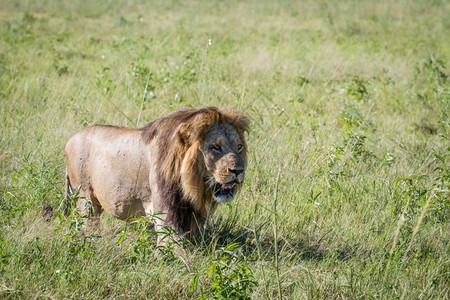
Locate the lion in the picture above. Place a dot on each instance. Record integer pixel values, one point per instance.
(181, 165)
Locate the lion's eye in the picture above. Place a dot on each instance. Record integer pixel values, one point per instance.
(215, 148)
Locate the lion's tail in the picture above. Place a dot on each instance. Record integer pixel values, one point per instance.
(65, 203)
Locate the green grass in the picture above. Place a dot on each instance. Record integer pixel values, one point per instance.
(346, 194)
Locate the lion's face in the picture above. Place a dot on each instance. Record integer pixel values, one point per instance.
(223, 154)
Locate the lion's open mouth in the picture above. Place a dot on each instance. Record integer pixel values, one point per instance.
(223, 192)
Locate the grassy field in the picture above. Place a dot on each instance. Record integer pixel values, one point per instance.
(346, 194)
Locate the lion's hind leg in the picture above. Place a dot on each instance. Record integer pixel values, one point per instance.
(91, 209)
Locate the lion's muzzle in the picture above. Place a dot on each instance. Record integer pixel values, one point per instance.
(224, 192)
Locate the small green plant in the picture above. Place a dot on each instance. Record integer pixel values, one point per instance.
(68, 203)
(301, 81)
(77, 241)
(34, 179)
(358, 88)
(144, 244)
(230, 276)
(410, 194)
(61, 69)
(105, 84)
(356, 143)
(352, 117)
(186, 72)
(334, 155)
(143, 78)
(436, 69)
(440, 209)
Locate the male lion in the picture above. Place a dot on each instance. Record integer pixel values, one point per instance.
(181, 165)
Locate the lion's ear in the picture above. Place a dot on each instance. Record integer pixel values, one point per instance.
(185, 134)
(241, 123)
(237, 119)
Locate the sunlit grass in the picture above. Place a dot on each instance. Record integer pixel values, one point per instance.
(349, 104)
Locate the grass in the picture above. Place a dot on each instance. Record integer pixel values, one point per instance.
(346, 194)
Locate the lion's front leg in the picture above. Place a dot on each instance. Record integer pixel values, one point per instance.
(171, 232)
(178, 220)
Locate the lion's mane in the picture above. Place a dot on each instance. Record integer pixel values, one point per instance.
(179, 162)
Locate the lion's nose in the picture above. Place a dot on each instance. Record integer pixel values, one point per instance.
(236, 171)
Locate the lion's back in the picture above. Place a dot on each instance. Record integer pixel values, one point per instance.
(91, 143)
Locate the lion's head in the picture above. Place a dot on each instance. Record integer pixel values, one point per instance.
(223, 156)
(201, 153)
